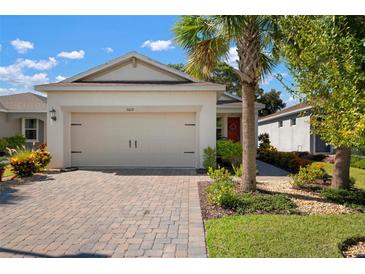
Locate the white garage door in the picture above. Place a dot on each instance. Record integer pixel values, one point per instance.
(133, 139)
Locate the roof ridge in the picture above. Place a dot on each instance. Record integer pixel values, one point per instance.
(295, 108)
(124, 57)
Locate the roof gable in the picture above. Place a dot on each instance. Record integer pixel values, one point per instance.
(229, 98)
(132, 67)
(23, 102)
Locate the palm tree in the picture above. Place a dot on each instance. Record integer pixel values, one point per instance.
(207, 40)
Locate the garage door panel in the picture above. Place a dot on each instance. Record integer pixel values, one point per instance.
(162, 139)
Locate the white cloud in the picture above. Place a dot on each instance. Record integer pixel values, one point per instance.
(267, 80)
(22, 46)
(72, 54)
(38, 65)
(232, 57)
(291, 101)
(15, 75)
(108, 50)
(271, 77)
(7, 91)
(158, 45)
(60, 78)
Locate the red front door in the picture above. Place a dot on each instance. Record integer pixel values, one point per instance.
(234, 128)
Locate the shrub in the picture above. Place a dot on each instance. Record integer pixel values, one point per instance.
(23, 163)
(286, 160)
(3, 162)
(3, 144)
(42, 157)
(357, 161)
(219, 175)
(354, 198)
(209, 158)
(26, 162)
(13, 142)
(245, 203)
(264, 140)
(229, 151)
(308, 175)
(220, 191)
(238, 170)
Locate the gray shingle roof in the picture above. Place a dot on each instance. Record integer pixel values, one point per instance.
(289, 110)
(23, 102)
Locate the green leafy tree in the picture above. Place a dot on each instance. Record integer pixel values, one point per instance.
(271, 100)
(226, 75)
(179, 66)
(326, 56)
(207, 40)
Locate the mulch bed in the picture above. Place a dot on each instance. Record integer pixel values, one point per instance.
(210, 211)
(354, 248)
(308, 202)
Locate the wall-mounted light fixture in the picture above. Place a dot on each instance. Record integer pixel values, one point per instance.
(53, 114)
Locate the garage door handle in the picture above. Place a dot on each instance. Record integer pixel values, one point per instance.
(135, 144)
(130, 143)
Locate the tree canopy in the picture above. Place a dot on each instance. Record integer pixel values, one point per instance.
(325, 55)
(271, 100)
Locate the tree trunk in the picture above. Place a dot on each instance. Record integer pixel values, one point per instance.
(341, 169)
(248, 50)
(248, 139)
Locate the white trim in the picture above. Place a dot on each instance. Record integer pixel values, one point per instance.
(284, 114)
(25, 111)
(132, 87)
(36, 129)
(124, 58)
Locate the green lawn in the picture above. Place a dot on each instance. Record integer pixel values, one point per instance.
(357, 173)
(272, 236)
(8, 172)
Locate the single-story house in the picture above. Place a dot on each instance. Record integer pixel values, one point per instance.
(136, 112)
(26, 114)
(289, 130)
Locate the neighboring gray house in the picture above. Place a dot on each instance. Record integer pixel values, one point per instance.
(24, 113)
(289, 130)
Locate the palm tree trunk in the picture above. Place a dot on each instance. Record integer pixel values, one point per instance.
(341, 169)
(248, 49)
(248, 139)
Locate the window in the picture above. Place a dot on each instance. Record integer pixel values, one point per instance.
(219, 127)
(293, 121)
(30, 129)
(280, 123)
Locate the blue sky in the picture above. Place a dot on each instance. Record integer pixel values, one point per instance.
(41, 49)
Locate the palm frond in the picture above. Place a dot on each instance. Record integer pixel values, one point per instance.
(207, 39)
(205, 42)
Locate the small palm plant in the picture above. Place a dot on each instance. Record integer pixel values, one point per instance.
(208, 40)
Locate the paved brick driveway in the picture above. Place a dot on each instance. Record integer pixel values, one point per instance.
(125, 213)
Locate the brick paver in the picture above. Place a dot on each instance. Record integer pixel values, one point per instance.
(123, 213)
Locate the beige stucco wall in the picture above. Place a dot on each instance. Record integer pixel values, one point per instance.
(9, 127)
(11, 124)
(128, 71)
(203, 103)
